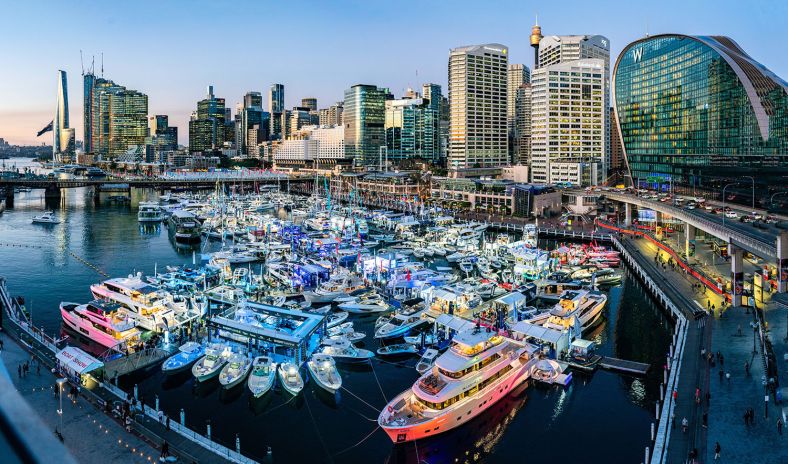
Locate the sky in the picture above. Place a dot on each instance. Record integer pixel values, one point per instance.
(172, 49)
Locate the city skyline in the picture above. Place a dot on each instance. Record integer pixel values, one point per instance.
(174, 77)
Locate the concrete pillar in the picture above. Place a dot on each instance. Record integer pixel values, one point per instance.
(782, 262)
(97, 194)
(52, 192)
(689, 240)
(9, 197)
(737, 272)
(627, 214)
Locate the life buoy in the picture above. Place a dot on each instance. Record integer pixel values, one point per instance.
(390, 409)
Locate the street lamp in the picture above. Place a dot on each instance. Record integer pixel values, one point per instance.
(723, 201)
(60, 383)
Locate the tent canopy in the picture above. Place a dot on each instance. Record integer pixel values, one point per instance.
(78, 361)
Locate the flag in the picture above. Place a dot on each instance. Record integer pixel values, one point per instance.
(45, 129)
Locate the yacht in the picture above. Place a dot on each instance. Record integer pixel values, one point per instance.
(291, 378)
(330, 290)
(188, 354)
(480, 368)
(235, 371)
(47, 218)
(577, 310)
(150, 212)
(262, 377)
(366, 304)
(324, 372)
(212, 363)
(149, 306)
(401, 322)
(186, 226)
(343, 350)
(397, 349)
(103, 323)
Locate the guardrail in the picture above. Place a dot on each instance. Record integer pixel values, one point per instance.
(741, 238)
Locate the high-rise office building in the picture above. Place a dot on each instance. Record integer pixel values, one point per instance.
(477, 106)
(276, 98)
(63, 142)
(697, 113)
(300, 116)
(616, 148)
(554, 49)
(522, 126)
(209, 128)
(128, 121)
(162, 138)
(310, 103)
(437, 101)
(253, 124)
(517, 75)
(88, 84)
(412, 130)
(568, 138)
(331, 116)
(363, 118)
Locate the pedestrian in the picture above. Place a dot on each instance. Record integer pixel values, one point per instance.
(673, 421)
(713, 308)
(675, 395)
(708, 399)
(739, 332)
(728, 377)
(684, 425)
(721, 374)
(747, 368)
(717, 449)
(168, 423)
(722, 360)
(19, 370)
(705, 420)
(780, 425)
(165, 451)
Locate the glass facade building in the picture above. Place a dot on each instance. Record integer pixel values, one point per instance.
(697, 113)
(208, 128)
(412, 130)
(363, 118)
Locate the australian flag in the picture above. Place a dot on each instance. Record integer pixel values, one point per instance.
(45, 129)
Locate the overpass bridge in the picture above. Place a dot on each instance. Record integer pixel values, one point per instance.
(740, 237)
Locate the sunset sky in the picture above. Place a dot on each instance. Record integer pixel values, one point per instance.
(171, 50)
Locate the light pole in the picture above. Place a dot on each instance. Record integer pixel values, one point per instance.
(60, 383)
(723, 201)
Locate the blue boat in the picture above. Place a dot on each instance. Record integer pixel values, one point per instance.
(187, 354)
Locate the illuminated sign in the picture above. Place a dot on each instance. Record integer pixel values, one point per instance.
(637, 54)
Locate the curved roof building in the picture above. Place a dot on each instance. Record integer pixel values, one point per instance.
(698, 112)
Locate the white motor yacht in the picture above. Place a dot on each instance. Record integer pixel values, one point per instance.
(328, 291)
(324, 372)
(576, 309)
(402, 322)
(397, 349)
(343, 350)
(291, 378)
(480, 368)
(150, 212)
(235, 371)
(262, 377)
(210, 365)
(366, 304)
(104, 323)
(48, 217)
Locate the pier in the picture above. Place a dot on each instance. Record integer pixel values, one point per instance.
(622, 365)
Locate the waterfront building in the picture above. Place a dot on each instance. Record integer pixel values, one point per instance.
(568, 139)
(412, 130)
(363, 118)
(500, 196)
(63, 142)
(696, 113)
(128, 121)
(208, 127)
(517, 75)
(381, 187)
(310, 103)
(477, 106)
(315, 146)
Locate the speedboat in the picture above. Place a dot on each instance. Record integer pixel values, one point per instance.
(327, 292)
(262, 377)
(397, 349)
(211, 364)
(324, 371)
(235, 371)
(188, 354)
(479, 369)
(291, 378)
(400, 323)
(427, 360)
(334, 319)
(466, 265)
(47, 218)
(343, 350)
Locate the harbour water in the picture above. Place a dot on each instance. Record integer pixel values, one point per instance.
(597, 416)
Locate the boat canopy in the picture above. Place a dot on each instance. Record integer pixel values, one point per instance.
(538, 332)
(77, 362)
(513, 300)
(455, 323)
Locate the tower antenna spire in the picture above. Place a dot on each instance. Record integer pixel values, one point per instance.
(81, 63)
(102, 64)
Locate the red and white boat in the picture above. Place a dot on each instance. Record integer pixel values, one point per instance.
(106, 324)
(479, 369)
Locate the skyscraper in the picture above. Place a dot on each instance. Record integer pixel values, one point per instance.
(363, 118)
(437, 101)
(517, 75)
(522, 126)
(251, 119)
(208, 128)
(118, 117)
(412, 130)
(161, 138)
(310, 103)
(63, 143)
(332, 116)
(88, 84)
(477, 106)
(276, 98)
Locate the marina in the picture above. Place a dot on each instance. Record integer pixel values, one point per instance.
(259, 314)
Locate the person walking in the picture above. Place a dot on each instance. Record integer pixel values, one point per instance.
(19, 370)
(780, 426)
(717, 449)
(684, 425)
(747, 368)
(705, 420)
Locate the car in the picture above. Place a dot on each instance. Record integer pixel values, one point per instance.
(708, 207)
(771, 219)
(690, 206)
(731, 214)
(756, 215)
(746, 218)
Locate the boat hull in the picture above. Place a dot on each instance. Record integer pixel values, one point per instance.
(86, 330)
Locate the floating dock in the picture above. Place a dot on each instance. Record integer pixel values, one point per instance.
(622, 365)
